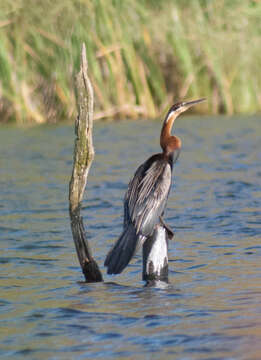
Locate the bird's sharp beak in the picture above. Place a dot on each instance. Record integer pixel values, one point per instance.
(188, 104)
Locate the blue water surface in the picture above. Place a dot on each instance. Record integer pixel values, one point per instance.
(212, 307)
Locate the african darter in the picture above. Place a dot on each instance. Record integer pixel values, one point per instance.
(147, 195)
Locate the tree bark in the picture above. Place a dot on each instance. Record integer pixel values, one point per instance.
(155, 256)
(83, 157)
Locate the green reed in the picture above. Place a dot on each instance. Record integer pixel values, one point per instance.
(142, 55)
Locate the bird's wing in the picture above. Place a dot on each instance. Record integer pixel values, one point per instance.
(131, 194)
(147, 194)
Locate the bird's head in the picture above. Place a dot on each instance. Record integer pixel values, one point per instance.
(180, 107)
(168, 142)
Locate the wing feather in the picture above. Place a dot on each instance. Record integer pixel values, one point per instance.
(147, 194)
(144, 203)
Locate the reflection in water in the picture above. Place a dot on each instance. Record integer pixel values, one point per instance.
(211, 308)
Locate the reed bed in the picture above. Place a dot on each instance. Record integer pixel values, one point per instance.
(142, 55)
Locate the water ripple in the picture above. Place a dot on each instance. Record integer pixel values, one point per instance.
(211, 307)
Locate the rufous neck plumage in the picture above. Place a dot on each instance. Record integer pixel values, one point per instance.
(168, 142)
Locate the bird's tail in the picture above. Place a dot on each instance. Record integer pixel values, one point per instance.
(123, 250)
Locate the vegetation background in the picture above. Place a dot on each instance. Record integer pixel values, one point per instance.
(143, 55)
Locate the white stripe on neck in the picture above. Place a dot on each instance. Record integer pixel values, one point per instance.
(169, 117)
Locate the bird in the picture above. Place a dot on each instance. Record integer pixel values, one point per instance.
(147, 194)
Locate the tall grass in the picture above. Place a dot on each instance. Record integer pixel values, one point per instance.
(142, 56)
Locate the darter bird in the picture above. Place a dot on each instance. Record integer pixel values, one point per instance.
(147, 194)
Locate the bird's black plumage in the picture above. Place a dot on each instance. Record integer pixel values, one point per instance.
(144, 203)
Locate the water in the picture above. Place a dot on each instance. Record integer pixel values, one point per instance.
(212, 306)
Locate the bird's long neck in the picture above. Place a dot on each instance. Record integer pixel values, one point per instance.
(168, 142)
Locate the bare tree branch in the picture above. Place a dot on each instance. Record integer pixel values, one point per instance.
(83, 157)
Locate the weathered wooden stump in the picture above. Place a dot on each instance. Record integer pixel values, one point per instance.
(83, 157)
(155, 256)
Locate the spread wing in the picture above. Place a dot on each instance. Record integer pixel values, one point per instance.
(147, 195)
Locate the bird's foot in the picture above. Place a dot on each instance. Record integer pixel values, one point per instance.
(168, 229)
